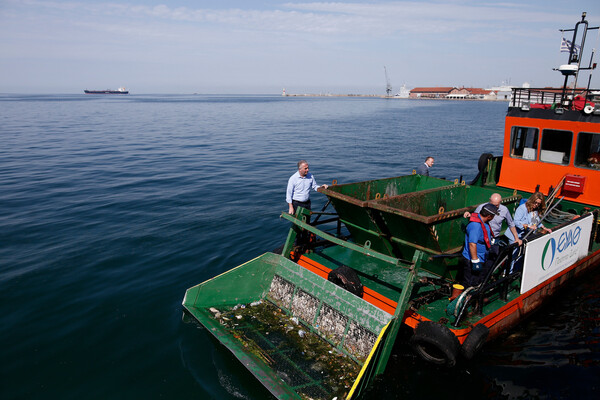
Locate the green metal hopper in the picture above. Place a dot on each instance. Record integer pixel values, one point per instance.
(299, 334)
(431, 219)
(351, 201)
(397, 216)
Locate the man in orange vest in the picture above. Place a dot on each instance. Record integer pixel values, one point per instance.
(478, 240)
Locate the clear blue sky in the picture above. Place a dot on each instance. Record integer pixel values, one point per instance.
(221, 46)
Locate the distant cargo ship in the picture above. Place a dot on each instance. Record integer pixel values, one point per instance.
(120, 90)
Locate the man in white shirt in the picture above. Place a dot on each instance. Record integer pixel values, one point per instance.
(299, 186)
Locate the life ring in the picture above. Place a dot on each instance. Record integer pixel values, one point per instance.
(435, 343)
(474, 341)
(588, 109)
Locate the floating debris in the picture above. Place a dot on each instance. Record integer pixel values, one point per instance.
(281, 292)
(301, 358)
(359, 341)
(331, 324)
(310, 345)
(305, 306)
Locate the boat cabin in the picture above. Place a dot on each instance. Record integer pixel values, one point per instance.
(546, 141)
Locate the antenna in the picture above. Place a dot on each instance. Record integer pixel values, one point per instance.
(573, 68)
(388, 85)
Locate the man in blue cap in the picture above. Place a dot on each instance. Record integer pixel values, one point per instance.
(478, 240)
(496, 223)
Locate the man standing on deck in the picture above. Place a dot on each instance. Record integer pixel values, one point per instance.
(503, 214)
(298, 188)
(423, 169)
(478, 241)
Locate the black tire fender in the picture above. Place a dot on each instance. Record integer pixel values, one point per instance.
(474, 341)
(483, 161)
(435, 343)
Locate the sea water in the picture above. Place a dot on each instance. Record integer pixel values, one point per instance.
(112, 206)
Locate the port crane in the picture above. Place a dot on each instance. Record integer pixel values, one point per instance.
(388, 85)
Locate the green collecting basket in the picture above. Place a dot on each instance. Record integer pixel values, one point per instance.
(299, 334)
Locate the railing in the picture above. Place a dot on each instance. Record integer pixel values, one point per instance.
(551, 96)
(522, 96)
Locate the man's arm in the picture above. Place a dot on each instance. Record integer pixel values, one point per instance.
(288, 195)
(477, 211)
(516, 235)
(315, 186)
(473, 251)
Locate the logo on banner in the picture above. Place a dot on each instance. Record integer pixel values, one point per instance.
(553, 247)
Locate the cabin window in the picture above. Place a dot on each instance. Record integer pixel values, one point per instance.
(524, 142)
(588, 150)
(556, 146)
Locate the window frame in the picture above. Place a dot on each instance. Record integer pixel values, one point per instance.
(579, 136)
(513, 133)
(541, 149)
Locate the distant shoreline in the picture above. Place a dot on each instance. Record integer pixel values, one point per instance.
(333, 95)
(378, 96)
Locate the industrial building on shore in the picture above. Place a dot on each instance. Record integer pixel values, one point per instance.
(462, 93)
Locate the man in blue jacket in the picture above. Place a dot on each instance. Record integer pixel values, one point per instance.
(478, 240)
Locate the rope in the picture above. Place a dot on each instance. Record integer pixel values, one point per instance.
(556, 217)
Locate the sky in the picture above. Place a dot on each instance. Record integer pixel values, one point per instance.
(262, 47)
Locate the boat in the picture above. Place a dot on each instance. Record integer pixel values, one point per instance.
(404, 92)
(379, 263)
(120, 90)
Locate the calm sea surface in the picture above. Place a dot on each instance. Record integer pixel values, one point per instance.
(111, 207)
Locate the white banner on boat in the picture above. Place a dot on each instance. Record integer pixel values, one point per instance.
(550, 254)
